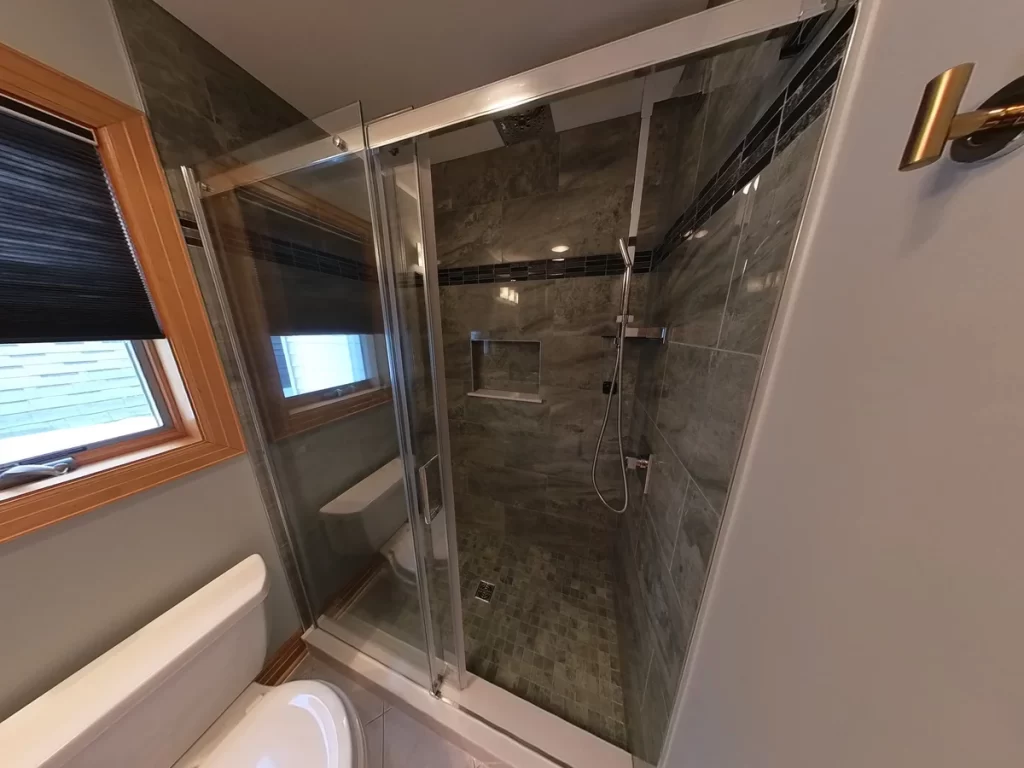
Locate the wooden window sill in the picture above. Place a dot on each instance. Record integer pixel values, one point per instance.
(26, 508)
(306, 417)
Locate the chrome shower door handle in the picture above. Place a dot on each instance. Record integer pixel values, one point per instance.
(988, 131)
(429, 475)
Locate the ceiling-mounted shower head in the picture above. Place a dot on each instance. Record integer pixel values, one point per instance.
(523, 126)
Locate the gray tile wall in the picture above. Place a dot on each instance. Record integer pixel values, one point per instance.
(716, 294)
(525, 467)
(201, 105)
(514, 203)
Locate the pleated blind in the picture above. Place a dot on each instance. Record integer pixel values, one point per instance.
(67, 271)
(313, 280)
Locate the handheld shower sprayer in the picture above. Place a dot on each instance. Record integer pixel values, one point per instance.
(616, 389)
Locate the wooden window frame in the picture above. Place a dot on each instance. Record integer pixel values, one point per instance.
(204, 428)
(284, 416)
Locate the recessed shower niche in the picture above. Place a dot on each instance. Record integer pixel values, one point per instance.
(505, 369)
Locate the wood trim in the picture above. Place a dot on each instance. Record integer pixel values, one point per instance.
(41, 86)
(205, 430)
(310, 416)
(295, 199)
(283, 661)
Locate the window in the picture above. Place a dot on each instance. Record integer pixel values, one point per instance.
(106, 355)
(70, 396)
(334, 364)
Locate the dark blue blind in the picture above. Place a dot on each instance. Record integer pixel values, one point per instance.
(67, 271)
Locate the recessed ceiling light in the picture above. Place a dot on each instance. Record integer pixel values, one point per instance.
(558, 259)
(560, 248)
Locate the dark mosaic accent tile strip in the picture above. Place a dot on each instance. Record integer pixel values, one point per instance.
(598, 265)
(189, 229)
(282, 251)
(805, 98)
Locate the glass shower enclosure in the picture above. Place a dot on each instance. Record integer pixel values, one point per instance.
(375, 398)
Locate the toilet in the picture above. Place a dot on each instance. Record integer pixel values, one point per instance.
(371, 516)
(179, 693)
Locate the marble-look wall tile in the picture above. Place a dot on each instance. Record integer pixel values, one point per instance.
(691, 557)
(466, 308)
(522, 169)
(662, 602)
(599, 154)
(666, 491)
(743, 82)
(468, 181)
(588, 220)
(670, 173)
(468, 236)
(694, 294)
(515, 487)
(576, 362)
(729, 392)
(683, 398)
(530, 167)
(767, 242)
(659, 695)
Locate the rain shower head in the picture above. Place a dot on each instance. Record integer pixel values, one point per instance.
(523, 126)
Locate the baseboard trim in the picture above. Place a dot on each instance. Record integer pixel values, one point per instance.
(283, 661)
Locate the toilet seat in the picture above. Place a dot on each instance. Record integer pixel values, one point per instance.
(300, 724)
(400, 550)
(401, 553)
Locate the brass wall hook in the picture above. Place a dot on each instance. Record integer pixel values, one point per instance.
(992, 129)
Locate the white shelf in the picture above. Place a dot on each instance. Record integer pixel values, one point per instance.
(501, 394)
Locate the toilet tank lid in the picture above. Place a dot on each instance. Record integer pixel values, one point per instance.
(64, 719)
(366, 491)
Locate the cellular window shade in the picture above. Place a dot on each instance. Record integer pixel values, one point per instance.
(313, 279)
(67, 271)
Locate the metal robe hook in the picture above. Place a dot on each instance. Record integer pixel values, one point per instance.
(991, 130)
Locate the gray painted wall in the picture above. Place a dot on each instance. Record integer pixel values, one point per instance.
(71, 591)
(202, 105)
(78, 37)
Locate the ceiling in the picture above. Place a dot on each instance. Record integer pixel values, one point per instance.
(390, 54)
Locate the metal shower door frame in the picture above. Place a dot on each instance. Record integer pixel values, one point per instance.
(651, 49)
(387, 275)
(432, 296)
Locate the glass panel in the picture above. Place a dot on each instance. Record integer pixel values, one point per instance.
(590, 612)
(296, 255)
(404, 191)
(58, 396)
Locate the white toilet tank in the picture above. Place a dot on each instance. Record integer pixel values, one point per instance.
(145, 701)
(362, 518)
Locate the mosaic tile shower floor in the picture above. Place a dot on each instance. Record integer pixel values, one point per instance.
(549, 633)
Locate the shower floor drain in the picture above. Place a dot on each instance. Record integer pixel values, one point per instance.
(484, 591)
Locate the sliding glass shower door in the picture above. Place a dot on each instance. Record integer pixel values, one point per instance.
(317, 266)
(408, 268)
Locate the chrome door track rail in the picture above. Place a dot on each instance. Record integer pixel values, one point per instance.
(651, 48)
